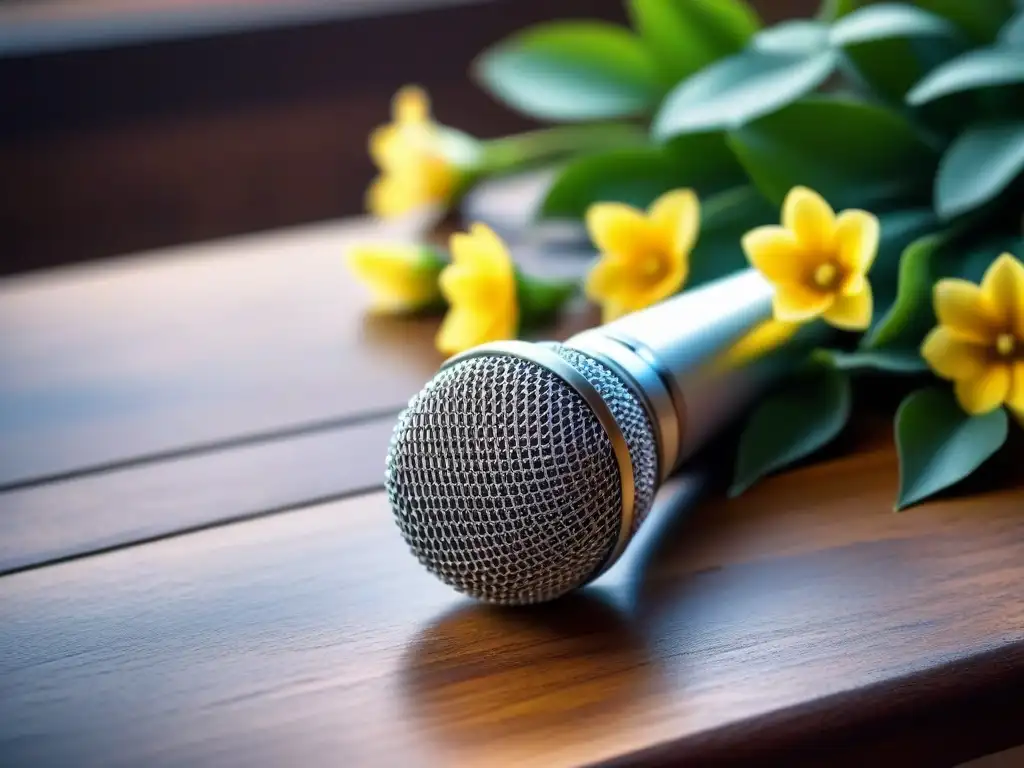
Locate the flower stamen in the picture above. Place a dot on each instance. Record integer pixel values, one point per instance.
(1006, 345)
(653, 266)
(826, 276)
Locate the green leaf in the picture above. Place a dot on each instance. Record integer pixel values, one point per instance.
(572, 70)
(981, 68)
(1013, 32)
(853, 153)
(889, 68)
(979, 19)
(725, 218)
(885, 21)
(893, 65)
(907, 322)
(887, 361)
(806, 414)
(739, 89)
(978, 165)
(898, 230)
(540, 300)
(939, 445)
(685, 36)
(797, 36)
(925, 262)
(635, 176)
(638, 175)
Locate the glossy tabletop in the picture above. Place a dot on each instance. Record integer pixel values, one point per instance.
(199, 567)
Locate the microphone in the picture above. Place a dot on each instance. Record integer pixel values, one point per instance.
(522, 470)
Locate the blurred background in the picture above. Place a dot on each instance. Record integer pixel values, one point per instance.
(135, 124)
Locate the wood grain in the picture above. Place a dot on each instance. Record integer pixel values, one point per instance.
(108, 510)
(803, 618)
(197, 346)
(130, 357)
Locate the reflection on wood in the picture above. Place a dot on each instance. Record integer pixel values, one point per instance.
(804, 618)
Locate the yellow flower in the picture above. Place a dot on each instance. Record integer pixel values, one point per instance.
(979, 342)
(817, 261)
(480, 286)
(415, 170)
(644, 257)
(400, 278)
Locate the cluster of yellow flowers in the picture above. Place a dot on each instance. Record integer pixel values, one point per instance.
(817, 261)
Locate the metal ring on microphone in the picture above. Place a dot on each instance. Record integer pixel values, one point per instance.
(544, 357)
(647, 381)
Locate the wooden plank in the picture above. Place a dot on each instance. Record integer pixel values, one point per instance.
(195, 347)
(109, 510)
(804, 623)
(111, 361)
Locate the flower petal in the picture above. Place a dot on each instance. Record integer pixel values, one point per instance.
(481, 249)
(1016, 397)
(775, 253)
(458, 331)
(653, 291)
(618, 229)
(603, 278)
(383, 145)
(985, 393)
(856, 240)
(1003, 286)
(796, 304)
(676, 215)
(463, 286)
(465, 327)
(387, 197)
(851, 312)
(410, 105)
(619, 287)
(963, 307)
(853, 284)
(954, 357)
(398, 277)
(812, 220)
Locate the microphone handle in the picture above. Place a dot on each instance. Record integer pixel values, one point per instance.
(672, 354)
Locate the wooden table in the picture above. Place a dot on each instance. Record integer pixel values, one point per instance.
(199, 567)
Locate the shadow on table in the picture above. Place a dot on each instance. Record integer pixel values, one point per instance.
(482, 672)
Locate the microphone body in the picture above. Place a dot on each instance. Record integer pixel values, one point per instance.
(522, 470)
(670, 354)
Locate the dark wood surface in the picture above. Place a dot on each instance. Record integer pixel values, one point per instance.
(101, 510)
(183, 590)
(777, 627)
(110, 362)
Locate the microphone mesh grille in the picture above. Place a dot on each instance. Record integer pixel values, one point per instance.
(504, 483)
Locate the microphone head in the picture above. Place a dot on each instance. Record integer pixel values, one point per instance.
(506, 473)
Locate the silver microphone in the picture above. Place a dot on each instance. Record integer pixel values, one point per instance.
(522, 470)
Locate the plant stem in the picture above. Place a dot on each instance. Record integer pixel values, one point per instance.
(547, 145)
